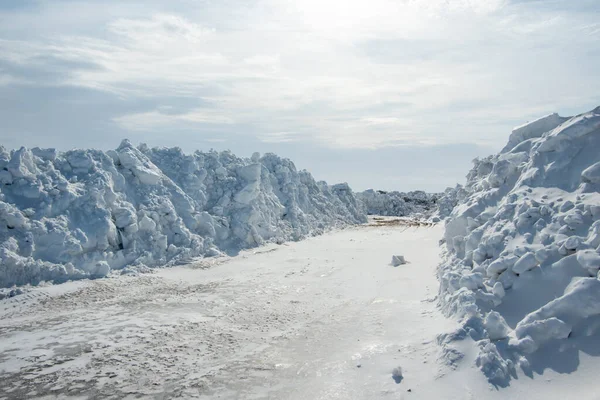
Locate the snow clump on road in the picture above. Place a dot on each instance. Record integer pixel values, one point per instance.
(398, 260)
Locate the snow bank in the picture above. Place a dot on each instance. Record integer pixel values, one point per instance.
(533, 129)
(83, 213)
(434, 206)
(522, 247)
(379, 202)
(446, 202)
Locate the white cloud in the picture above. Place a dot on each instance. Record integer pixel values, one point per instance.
(381, 120)
(156, 120)
(262, 60)
(364, 74)
(278, 137)
(160, 30)
(7, 79)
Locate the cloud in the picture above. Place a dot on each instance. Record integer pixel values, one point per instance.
(381, 120)
(158, 119)
(7, 79)
(353, 74)
(278, 137)
(160, 30)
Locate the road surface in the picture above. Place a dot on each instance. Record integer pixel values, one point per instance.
(325, 318)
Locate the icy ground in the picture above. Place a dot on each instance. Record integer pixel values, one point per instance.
(324, 318)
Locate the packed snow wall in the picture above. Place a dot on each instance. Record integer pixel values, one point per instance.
(522, 259)
(446, 202)
(81, 213)
(379, 202)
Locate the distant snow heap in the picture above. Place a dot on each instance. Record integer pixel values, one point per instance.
(379, 202)
(523, 252)
(446, 202)
(82, 213)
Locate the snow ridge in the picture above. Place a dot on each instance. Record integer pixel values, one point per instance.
(523, 246)
(416, 203)
(82, 213)
(446, 202)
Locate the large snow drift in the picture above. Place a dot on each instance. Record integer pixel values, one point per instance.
(523, 250)
(82, 213)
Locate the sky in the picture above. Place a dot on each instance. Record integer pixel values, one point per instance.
(384, 94)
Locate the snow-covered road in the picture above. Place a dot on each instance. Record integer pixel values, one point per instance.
(325, 318)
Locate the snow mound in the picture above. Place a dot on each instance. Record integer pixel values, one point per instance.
(397, 374)
(392, 204)
(398, 260)
(533, 129)
(446, 201)
(82, 213)
(522, 247)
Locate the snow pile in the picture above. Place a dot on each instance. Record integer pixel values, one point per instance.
(397, 374)
(446, 202)
(82, 213)
(379, 202)
(523, 250)
(398, 260)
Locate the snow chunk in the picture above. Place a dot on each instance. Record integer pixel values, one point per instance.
(575, 128)
(398, 260)
(498, 290)
(541, 331)
(22, 164)
(471, 281)
(500, 265)
(147, 224)
(102, 269)
(592, 173)
(134, 160)
(590, 260)
(525, 263)
(496, 326)
(533, 129)
(397, 374)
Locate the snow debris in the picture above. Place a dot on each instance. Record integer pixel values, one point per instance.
(398, 260)
(498, 290)
(447, 201)
(397, 374)
(496, 326)
(523, 243)
(82, 213)
(417, 203)
(525, 263)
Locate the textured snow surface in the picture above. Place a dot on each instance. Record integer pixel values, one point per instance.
(446, 202)
(277, 322)
(399, 204)
(522, 259)
(287, 322)
(83, 213)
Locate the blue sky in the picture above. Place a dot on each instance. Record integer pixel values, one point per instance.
(390, 94)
